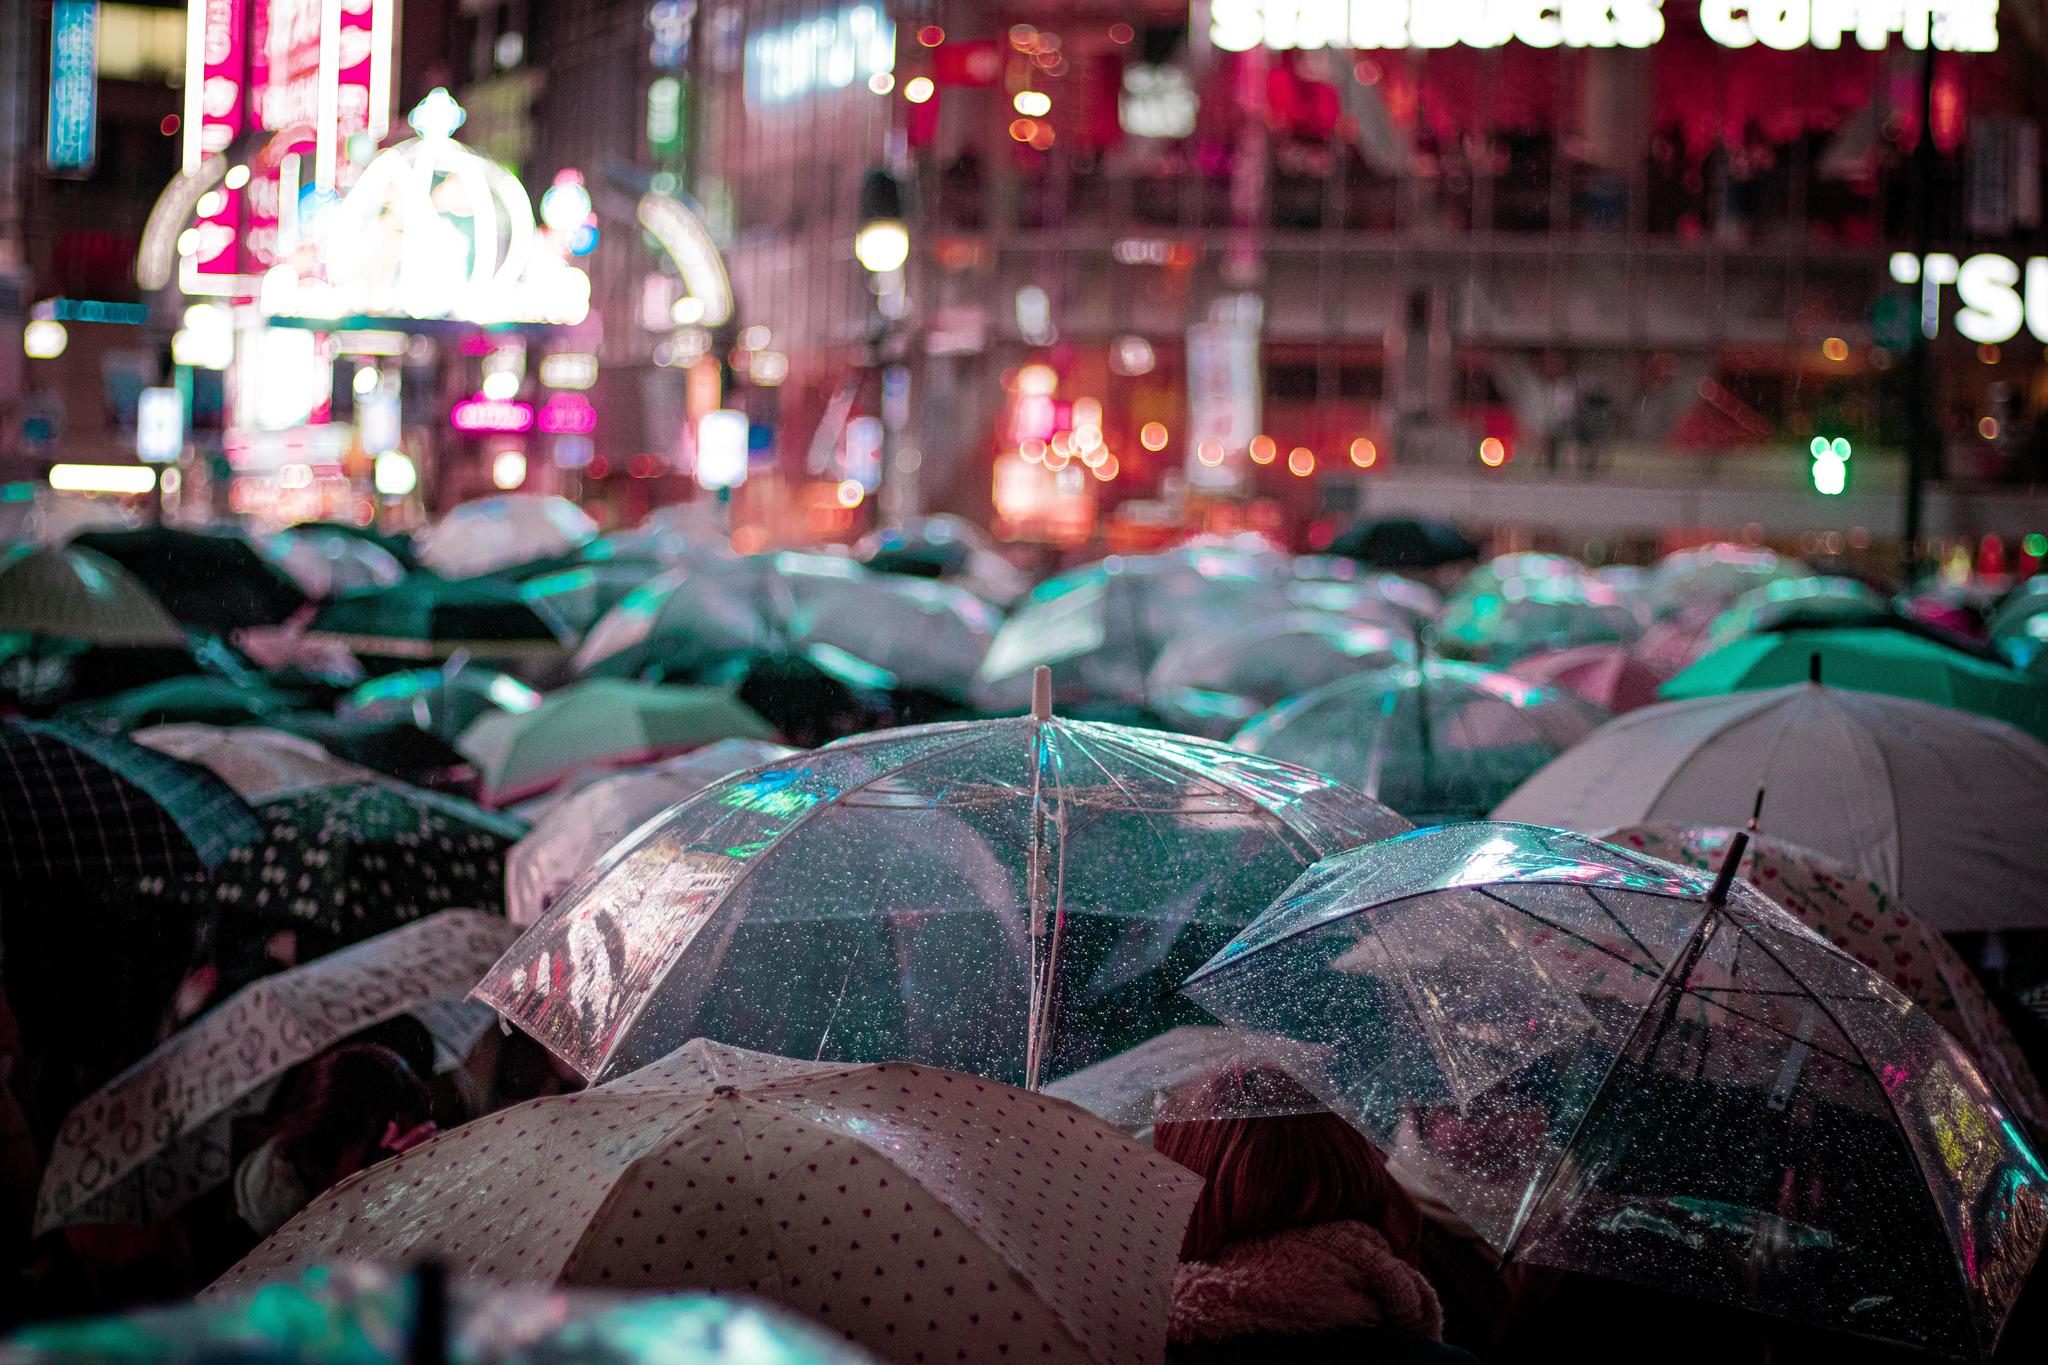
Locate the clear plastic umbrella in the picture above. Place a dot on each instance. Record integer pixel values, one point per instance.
(1790, 602)
(1612, 1064)
(1212, 680)
(1013, 898)
(1334, 583)
(443, 701)
(926, 636)
(1438, 741)
(1104, 625)
(1940, 807)
(573, 833)
(1709, 579)
(951, 549)
(326, 561)
(499, 532)
(1858, 916)
(1525, 616)
(694, 622)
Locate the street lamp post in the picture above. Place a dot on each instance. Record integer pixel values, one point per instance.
(882, 246)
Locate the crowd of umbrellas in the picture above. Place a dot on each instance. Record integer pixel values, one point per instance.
(1676, 925)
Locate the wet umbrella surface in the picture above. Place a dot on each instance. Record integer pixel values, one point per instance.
(1013, 898)
(1609, 1063)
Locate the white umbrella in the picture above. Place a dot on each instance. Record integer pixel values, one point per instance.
(572, 834)
(495, 533)
(258, 763)
(1938, 806)
(326, 562)
(156, 1136)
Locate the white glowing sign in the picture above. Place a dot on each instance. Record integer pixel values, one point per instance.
(316, 73)
(432, 231)
(1948, 25)
(830, 52)
(683, 236)
(1999, 295)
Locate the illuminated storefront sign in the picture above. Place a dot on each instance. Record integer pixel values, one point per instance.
(1948, 25)
(316, 74)
(431, 231)
(1999, 294)
(568, 414)
(830, 52)
(481, 415)
(72, 135)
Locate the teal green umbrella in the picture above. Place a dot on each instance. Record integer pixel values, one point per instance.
(198, 699)
(1894, 662)
(364, 1315)
(601, 723)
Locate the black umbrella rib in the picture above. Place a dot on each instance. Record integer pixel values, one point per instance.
(1608, 910)
(1573, 934)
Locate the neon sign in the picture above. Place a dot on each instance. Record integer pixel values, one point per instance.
(314, 73)
(432, 231)
(830, 52)
(1998, 294)
(492, 416)
(72, 130)
(688, 243)
(1947, 25)
(568, 414)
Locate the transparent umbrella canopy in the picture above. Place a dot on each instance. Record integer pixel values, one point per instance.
(1612, 1064)
(498, 532)
(1104, 625)
(1014, 898)
(1436, 741)
(1336, 584)
(1524, 616)
(1794, 602)
(693, 622)
(924, 635)
(1710, 578)
(1211, 681)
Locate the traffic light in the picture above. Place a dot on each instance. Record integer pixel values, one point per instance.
(1830, 465)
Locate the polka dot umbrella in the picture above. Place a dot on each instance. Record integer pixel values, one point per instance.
(157, 1135)
(1014, 898)
(925, 1214)
(337, 864)
(1858, 916)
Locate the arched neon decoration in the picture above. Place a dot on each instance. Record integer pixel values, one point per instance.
(682, 234)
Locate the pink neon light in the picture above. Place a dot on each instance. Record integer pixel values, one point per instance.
(492, 415)
(566, 416)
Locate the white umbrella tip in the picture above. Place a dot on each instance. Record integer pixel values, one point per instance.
(1041, 693)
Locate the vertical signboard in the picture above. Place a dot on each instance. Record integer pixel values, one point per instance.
(72, 132)
(1223, 401)
(216, 99)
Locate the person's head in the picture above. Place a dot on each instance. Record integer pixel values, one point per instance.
(1274, 1171)
(352, 1107)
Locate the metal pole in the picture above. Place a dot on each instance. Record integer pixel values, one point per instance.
(1923, 438)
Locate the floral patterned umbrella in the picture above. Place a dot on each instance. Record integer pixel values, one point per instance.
(1858, 916)
(157, 1136)
(925, 1214)
(338, 864)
